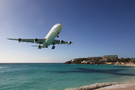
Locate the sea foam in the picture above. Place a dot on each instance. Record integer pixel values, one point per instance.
(121, 85)
(103, 86)
(93, 86)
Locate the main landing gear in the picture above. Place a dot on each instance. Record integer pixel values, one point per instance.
(39, 47)
(53, 47)
(46, 46)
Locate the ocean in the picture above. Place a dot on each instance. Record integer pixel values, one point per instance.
(52, 76)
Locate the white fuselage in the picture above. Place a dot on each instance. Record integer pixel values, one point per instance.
(55, 30)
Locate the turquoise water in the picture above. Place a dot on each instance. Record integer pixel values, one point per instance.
(45, 76)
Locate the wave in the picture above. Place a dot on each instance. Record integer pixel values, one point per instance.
(123, 85)
(94, 86)
(103, 86)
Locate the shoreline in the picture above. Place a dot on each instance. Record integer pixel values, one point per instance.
(108, 63)
(128, 85)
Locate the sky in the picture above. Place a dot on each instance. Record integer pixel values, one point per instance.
(97, 28)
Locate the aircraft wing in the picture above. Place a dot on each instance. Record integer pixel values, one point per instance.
(61, 42)
(39, 41)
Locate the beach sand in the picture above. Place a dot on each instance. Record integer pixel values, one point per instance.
(124, 86)
(127, 88)
(130, 85)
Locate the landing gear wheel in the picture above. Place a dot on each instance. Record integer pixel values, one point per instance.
(39, 47)
(53, 47)
(46, 46)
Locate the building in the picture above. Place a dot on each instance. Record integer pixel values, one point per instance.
(94, 58)
(111, 57)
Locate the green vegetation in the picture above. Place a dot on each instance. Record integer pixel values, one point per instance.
(126, 60)
(99, 60)
(79, 60)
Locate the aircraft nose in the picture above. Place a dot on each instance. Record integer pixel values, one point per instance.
(60, 25)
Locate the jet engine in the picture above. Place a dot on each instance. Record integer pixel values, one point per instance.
(61, 41)
(19, 40)
(35, 40)
(69, 42)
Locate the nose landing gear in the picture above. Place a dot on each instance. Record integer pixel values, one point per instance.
(57, 34)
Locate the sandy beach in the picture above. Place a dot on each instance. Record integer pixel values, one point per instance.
(130, 85)
(127, 88)
(122, 86)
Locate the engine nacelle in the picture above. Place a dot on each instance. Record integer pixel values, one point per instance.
(19, 40)
(35, 40)
(61, 41)
(69, 42)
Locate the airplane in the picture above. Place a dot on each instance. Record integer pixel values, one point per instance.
(48, 40)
